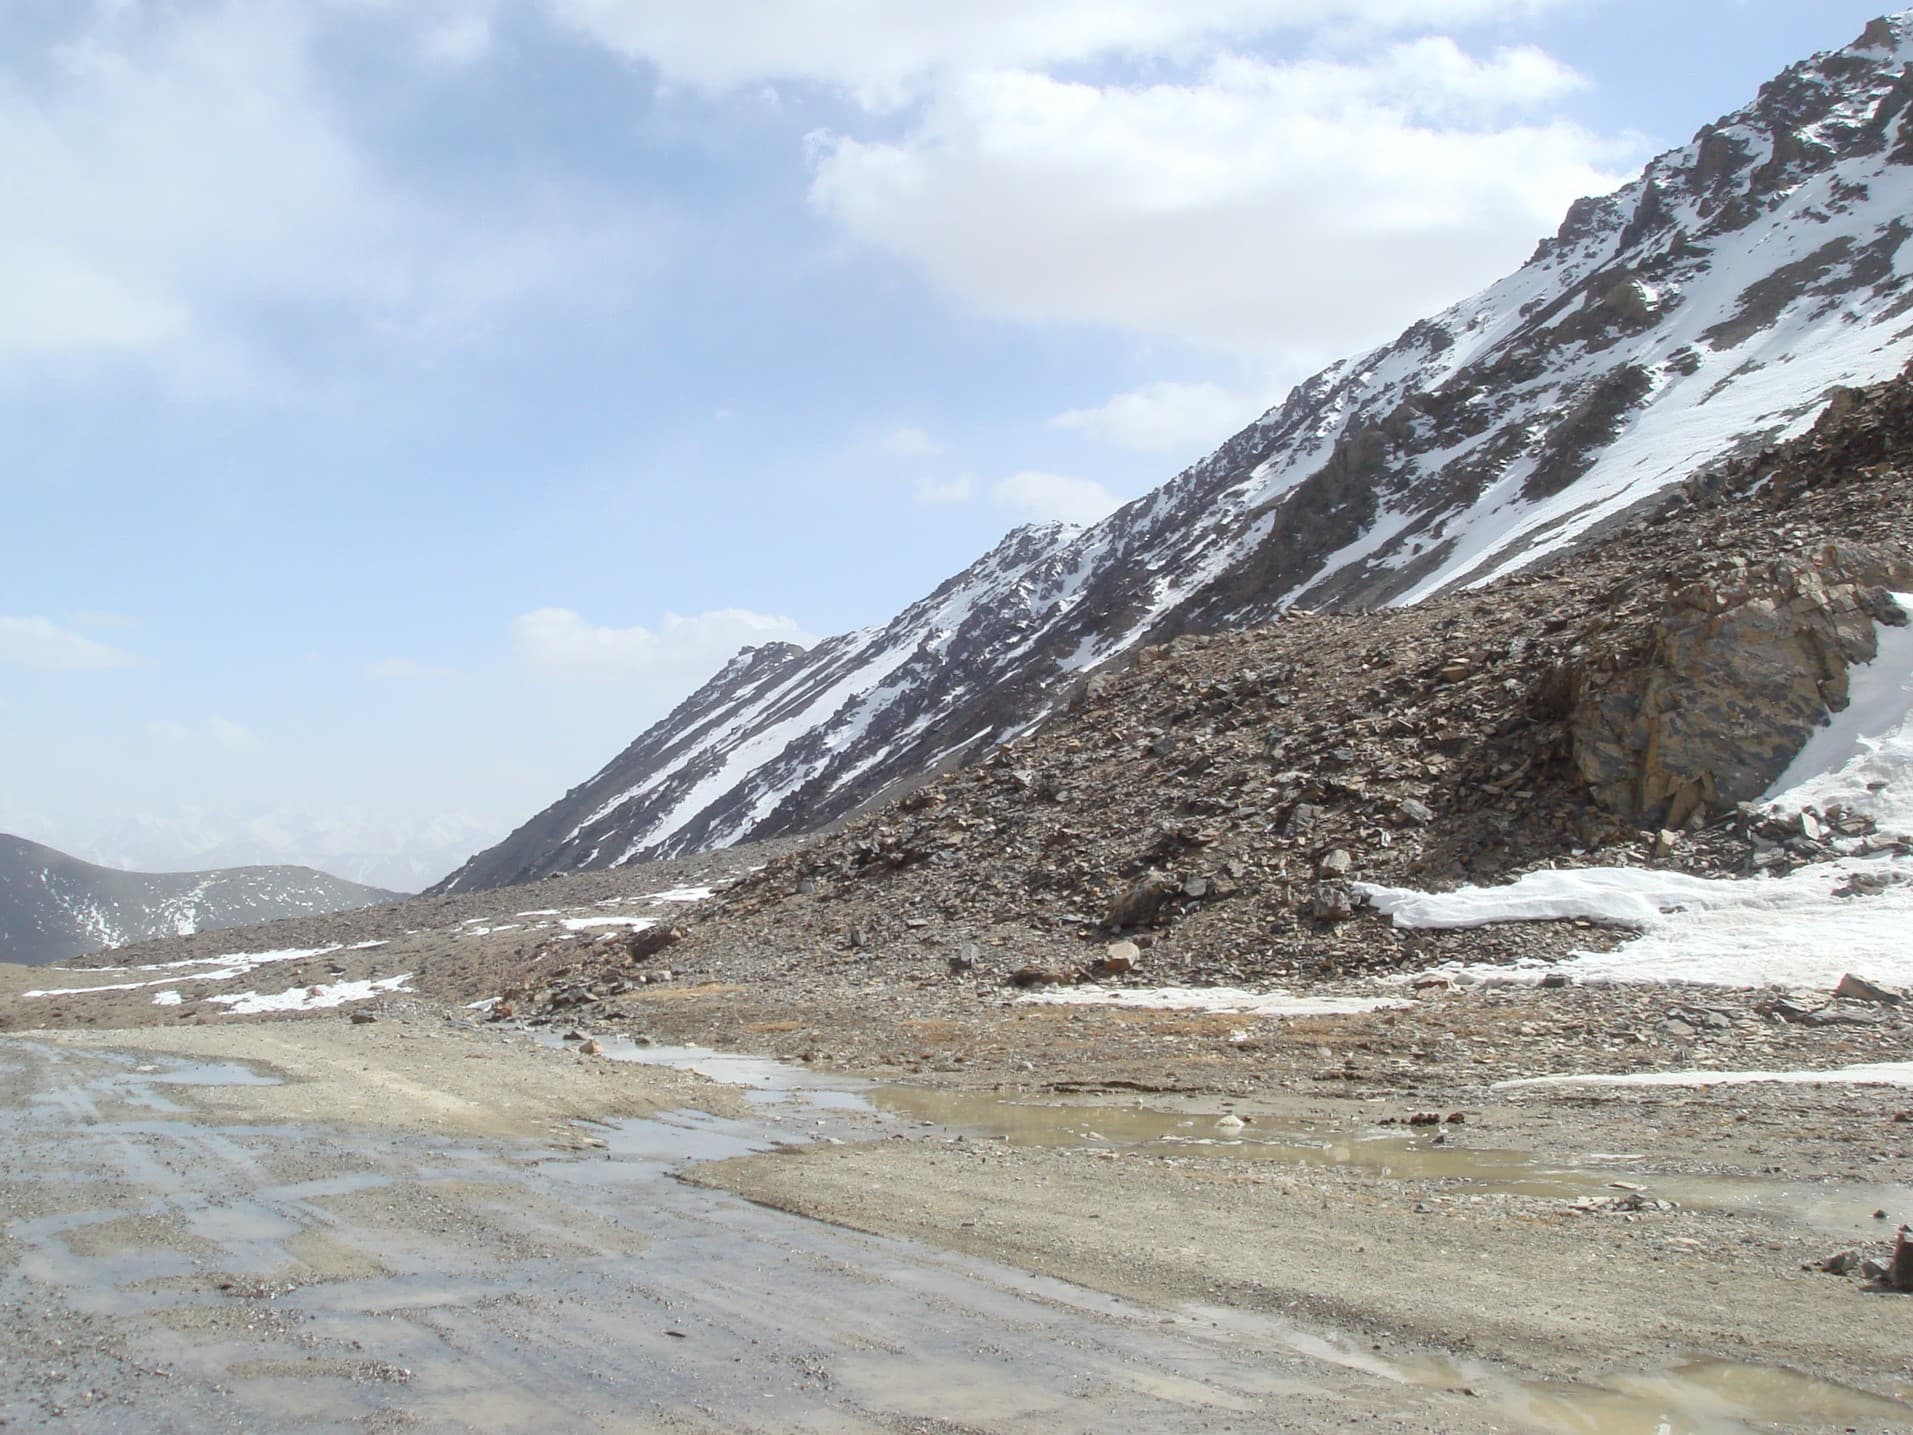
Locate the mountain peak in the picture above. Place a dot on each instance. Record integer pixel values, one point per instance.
(1888, 32)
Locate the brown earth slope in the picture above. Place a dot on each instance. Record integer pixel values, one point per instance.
(1214, 800)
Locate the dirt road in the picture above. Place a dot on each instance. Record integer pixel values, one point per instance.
(412, 1226)
(423, 1224)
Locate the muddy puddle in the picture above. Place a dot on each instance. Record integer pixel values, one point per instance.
(153, 1082)
(199, 1073)
(1700, 1397)
(1440, 1156)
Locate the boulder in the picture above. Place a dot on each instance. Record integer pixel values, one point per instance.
(1138, 904)
(1118, 959)
(1728, 683)
(1899, 1272)
(1859, 989)
(1419, 813)
(1334, 902)
(652, 940)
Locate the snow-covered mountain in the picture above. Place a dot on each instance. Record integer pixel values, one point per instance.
(1708, 307)
(53, 906)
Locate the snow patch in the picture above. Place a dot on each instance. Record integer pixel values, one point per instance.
(241, 962)
(580, 924)
(1231, 1000)
(1879, 1073)
(82, 991)
(194, 969)
(1861, 760)
(1620, 896)
(312, 998)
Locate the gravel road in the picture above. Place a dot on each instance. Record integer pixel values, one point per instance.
(415, 1226)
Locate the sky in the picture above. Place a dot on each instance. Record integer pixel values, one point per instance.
(403, 403)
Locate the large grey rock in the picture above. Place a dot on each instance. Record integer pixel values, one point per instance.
(1729, 683)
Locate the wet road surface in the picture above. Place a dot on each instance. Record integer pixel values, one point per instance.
(210, 1276)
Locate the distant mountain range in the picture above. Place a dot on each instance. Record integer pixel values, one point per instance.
(53, 906)
(1711, 306)
(404, 856)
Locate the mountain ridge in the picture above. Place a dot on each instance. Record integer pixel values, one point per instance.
(54, 906)
(1710, 306)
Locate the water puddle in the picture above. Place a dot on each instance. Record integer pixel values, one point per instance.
(1703, 1398)
(765, 1082)
(681, 1138)
(1698, 1397)
(136, 1083)
(1436, 1156)
(416, 1279)
(204, 1073)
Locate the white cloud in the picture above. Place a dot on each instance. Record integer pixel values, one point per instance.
(39, 643)
(460, 41)
(218, 733)
(1285, 208)
(1044, 497)
(182, 179)
(402, 670)
(1164, 416)
(52, 303)
(879, 49)
(223, 732)
(1267, 208)
(680, 653)
(909, 441)
(951, 490)
(101, 618)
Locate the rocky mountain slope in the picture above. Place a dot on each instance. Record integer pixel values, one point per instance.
(1216, 803)
(1707, 308)
(53, 906)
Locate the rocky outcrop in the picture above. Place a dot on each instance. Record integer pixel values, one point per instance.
(1731, 681)
(1685, 705)
(1707, 309)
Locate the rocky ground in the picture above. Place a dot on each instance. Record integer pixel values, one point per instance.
(1765, 1183)
(1353, 1201)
